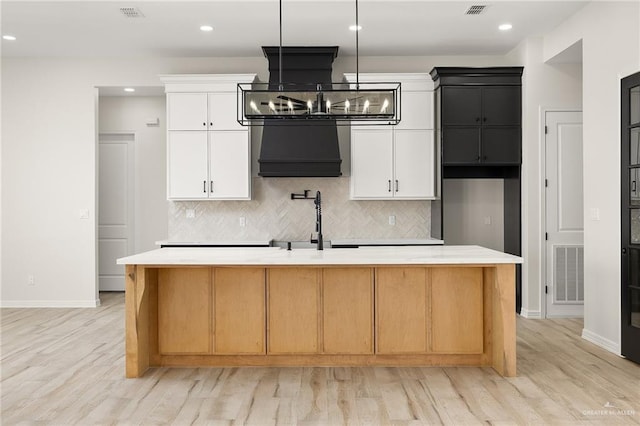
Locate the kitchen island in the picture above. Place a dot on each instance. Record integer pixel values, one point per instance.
(394, 306)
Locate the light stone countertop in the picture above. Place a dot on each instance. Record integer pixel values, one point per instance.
(274, 256)
(387, 242)
(222, 243)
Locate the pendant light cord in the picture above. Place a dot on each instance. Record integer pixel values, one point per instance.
(280, 53)
(357, 52)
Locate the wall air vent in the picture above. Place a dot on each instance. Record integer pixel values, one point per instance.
(475, 9)
(131, 12)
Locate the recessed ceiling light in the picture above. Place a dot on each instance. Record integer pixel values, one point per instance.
(505, 27)
(129, 89)
(206, 28)
(8, 37)
(355, 27)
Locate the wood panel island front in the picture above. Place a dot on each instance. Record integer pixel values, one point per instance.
(393, 306)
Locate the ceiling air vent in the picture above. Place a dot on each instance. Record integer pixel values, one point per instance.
(475, 9)
(131, 12)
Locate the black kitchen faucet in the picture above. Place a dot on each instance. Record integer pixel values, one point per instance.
(318, 203)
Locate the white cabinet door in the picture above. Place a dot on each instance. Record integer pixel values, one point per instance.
(416, 110)
(187, 111)
(414, 164)
(229, 164)
(187, 165)
(223, 109)
(371, 163)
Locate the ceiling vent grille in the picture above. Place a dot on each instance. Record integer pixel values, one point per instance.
(131, 12)
(475, 9)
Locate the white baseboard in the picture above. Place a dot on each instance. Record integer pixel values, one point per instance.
(525, 313)
(49, 303)
(604, 343)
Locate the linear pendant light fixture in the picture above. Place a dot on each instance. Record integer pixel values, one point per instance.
(341, 103)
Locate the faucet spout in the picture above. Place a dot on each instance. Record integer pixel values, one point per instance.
(319, 240)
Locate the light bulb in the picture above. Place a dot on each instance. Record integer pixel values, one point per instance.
(346, 105)
(310, 106)
(328, 105)
(385, 104)
(272, 106)
(366, 106)
(254, 106)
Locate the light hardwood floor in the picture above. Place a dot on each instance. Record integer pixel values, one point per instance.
(66, 366)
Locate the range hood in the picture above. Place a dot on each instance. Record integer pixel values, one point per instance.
(294, 149)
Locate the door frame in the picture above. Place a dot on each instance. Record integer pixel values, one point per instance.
(543, 202)
(131, 211)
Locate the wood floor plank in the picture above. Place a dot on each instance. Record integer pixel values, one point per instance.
(66, 366)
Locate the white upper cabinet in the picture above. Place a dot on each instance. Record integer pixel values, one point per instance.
(208, 151)
(416, 111)
(229, 165)
(397, 162)
(187, 165)
(187, 111)
(414, 159)
(223, 109)
(371, 165)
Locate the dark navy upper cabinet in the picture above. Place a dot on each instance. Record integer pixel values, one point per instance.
(481, 115)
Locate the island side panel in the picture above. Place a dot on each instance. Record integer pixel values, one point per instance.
(137, 321)
(504, 320)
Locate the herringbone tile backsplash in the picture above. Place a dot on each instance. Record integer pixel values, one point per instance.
(272, 214)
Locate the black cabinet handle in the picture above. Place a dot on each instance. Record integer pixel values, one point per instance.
(484, 120)
(204, 124)
(633, 186)
(477, 119)
(204, 186)
(478, 158)
(389, 183)
(211, 124)
(624, 251)
(396, 185)
(484, 158)
(211, 187)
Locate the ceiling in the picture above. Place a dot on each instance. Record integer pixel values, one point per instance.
(241, 27)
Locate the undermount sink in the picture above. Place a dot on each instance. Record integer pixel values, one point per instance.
(299, 244)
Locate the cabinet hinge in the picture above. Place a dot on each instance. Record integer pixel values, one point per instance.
(546, 130)
(546, 289)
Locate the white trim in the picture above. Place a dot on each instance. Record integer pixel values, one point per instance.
(598, 340)
(526, 313)
(50, 303)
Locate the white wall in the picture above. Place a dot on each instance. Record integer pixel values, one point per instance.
(544, 86)
(129, 114)
(49, 160)
(611, 50)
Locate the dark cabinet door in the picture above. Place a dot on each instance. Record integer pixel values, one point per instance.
(461, 106)
(460, 145)
(500, 145)
(501, 106)
(630, 221)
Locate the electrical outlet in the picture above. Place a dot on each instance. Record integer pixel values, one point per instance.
(242, 221)
(83, 213)
(392, 220)
(191, 213)
(31, 280)
(487, 220)
(594, 213)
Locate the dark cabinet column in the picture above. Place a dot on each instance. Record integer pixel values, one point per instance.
(479, 129)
